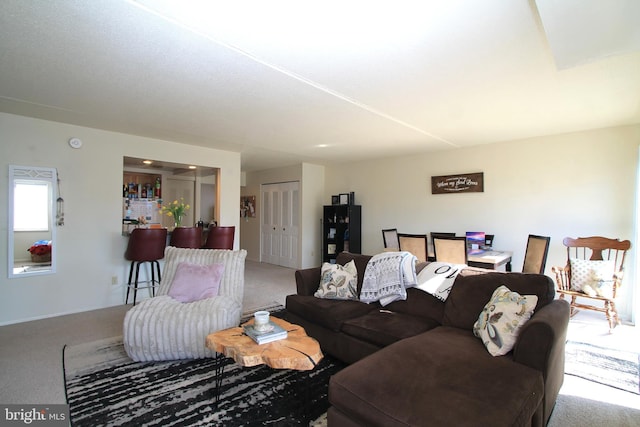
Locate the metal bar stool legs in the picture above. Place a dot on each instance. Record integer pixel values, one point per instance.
(134, 279)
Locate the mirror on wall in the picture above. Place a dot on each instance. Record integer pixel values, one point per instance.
(32, 222)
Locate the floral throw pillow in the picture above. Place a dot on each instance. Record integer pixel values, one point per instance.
(338, 282)
(592, 277)
(501, 319)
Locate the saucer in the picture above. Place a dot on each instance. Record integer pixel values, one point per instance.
(263, 329)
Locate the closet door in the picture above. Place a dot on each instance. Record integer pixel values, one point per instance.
(280, 223)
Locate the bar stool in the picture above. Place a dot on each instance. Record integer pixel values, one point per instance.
(220, 237)
(186, 237)
(145, 245)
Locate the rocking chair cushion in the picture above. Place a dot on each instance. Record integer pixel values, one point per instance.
(592, 277)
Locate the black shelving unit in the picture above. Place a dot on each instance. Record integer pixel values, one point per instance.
(341, 230)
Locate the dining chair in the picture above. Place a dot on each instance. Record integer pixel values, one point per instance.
(440, 234)
(186, 237)
(390, 239)
(451, 249)
(594, 270)
(415, 244)
(535, 256)
(220, 237)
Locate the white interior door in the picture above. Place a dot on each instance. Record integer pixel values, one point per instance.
(280, 223)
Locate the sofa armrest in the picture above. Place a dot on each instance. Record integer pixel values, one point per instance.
(544, 333)
(307, 281)
(541, 345)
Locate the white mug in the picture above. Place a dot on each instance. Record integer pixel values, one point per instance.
(261, 322)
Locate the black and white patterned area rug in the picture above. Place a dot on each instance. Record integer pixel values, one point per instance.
(106, 388)
(615, 368)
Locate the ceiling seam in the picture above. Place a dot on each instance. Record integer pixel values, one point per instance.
(295, 76)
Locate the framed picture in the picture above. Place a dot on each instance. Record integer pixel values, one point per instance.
(247, 206)
(344, 198)
(335, 200)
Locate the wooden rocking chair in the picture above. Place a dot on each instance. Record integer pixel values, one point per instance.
(597, 276)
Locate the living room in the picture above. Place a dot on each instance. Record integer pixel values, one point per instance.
(545, 183)
(576, 181)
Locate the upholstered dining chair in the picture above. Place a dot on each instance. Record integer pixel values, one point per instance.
(535, 256)
(186, 237)
(220, 237)
(415, 244)
(451, 249)
(439, 234)
(390, 239)
(594, 270)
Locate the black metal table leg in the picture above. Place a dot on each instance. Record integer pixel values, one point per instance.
(219, 368)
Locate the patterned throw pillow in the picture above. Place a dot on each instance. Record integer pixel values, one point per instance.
(338, 282)
(501, 319)
(592, 277)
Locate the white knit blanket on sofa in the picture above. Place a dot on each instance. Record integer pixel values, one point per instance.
(387, 277)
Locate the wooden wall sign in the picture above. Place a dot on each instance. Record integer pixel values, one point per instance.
(461, 183)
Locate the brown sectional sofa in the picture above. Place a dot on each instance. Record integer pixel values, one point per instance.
(417, 363)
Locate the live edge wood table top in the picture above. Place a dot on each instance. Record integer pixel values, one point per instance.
(298, 351)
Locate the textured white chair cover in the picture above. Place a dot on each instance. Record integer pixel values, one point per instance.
(161, 328)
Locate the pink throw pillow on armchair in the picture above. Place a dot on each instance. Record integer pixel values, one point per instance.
(194, 282)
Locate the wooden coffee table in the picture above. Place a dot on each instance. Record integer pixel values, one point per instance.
(298, 351)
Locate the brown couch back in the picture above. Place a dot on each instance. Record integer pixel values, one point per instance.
(470, 294)
(418, 303)
(360, 261)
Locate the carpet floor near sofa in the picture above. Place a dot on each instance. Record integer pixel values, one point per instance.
(615, 368)
(106, 388)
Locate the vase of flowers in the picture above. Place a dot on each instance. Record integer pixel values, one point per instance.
(175, 210)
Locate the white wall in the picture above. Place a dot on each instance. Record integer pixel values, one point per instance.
(90, 245)
(579, 184)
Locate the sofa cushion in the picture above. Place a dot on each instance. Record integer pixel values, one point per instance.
(501, 319)
(338, 281)
(420, 304)
(383, 327)
(470, 294)
(326, 312)
(445, 376)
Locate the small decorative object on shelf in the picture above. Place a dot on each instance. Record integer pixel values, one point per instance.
(176, 210)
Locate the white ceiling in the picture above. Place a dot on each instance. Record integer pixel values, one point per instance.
(276, 79)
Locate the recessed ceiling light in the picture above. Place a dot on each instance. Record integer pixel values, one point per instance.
(192, 167)
(147, 162)
(322, 145)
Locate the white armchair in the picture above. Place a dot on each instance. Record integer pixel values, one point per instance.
(162, 328)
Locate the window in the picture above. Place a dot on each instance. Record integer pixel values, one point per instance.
(31, 205)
